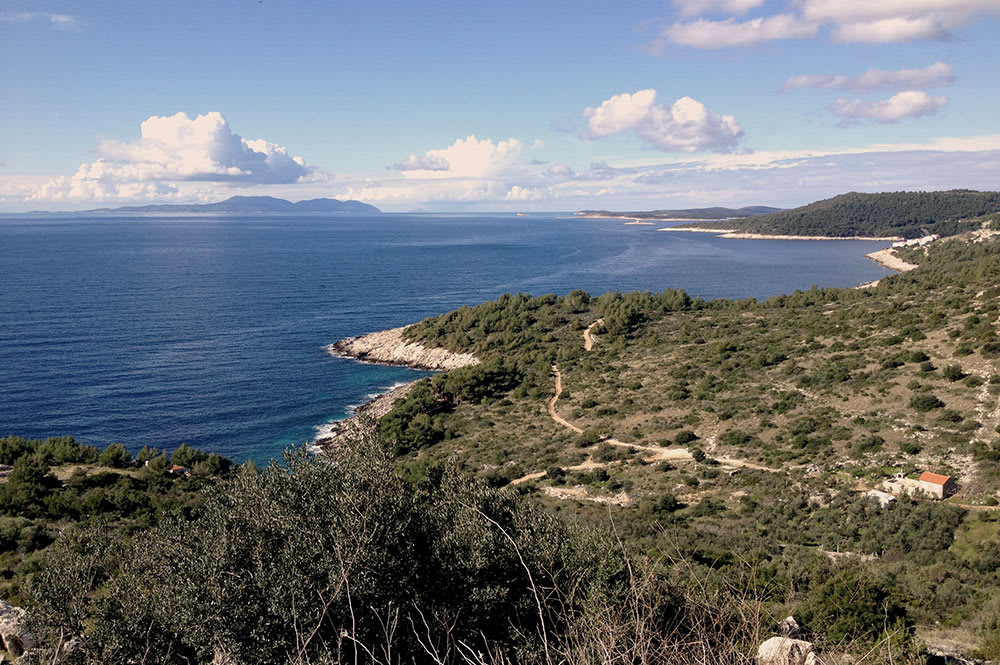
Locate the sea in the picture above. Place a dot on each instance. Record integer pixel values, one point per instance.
(211, 331)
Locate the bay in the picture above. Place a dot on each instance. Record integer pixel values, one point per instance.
(211, 330)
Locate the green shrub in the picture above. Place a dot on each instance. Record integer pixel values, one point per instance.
(115, 456)
(855, 606)
(684, 437)
(320, 549)
(925, 402)
(953, 373)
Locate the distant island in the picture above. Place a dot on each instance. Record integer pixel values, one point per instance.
(685, 213)
(248, 205)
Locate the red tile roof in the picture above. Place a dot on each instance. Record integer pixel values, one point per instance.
(936, 478)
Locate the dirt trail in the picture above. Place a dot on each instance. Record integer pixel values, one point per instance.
(588, 339)
(581, 494)
(587, 465)
(969, 506)
(656, 453)
(528, 476)
(653, 453)
(730, 461)
(551, 405)
(711, 443)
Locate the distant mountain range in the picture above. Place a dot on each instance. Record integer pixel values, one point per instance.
(686, 213)
(248, 205)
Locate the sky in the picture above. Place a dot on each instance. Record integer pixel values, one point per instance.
(457, 106)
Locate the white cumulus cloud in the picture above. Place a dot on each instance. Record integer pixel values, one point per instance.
(707, 34)
(174, 149)
(685, 126)
(465, 158)
(932, 76)
(906, 104)
(518, 193)
(868, 21)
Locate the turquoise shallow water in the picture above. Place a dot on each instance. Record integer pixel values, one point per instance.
(211, 331)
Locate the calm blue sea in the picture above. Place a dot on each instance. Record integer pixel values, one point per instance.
(211, 331)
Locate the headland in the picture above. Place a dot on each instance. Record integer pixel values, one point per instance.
(385, 347)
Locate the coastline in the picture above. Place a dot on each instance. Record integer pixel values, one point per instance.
(385, 347)
(362, 421)
(886, 259)
(738, 235)
(647, 220)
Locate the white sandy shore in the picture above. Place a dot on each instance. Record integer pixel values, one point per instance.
(886, 259)
(694, 230)
(648, 220)
(724, 233)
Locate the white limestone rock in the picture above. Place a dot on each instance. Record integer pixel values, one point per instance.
(786, 651)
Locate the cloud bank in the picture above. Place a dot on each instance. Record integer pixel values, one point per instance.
(173, 149)
(784, 178)
(685, 126)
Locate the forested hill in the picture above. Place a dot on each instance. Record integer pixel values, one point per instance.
(906, 214)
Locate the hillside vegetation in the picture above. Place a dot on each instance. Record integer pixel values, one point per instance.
(906, 214)
(59, 487)
(736, 433)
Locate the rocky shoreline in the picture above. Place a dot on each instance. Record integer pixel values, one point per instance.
(386, 347)
(362, 421)
(887, 259)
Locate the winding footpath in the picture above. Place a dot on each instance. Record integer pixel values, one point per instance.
(588, 337)
(551, 404)
(653, 453)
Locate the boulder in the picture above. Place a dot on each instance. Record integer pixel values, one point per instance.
(789, 627)
(786, 651)
(13, 636)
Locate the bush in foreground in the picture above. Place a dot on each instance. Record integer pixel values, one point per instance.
(341, 558)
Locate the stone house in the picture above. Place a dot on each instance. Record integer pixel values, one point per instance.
(936, 485)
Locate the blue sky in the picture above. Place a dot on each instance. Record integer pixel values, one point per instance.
(519, 106)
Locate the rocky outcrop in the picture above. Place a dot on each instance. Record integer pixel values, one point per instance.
(789, 627)
(389, 348)
(16, 639)
(362, 421)
(786, 651)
